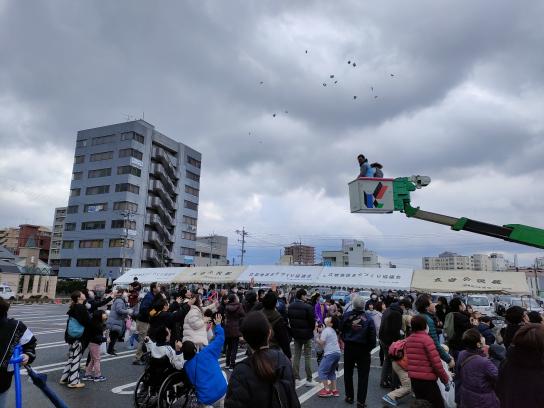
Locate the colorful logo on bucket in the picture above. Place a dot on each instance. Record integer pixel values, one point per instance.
(371, 200)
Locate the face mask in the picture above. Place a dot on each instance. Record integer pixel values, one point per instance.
(374, 297)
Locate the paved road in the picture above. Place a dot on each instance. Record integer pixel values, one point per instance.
(48, 323)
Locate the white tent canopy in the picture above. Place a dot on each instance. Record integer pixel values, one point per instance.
(148, 275)
(281, 274)
(469, 281)
(370, 278)
(209, 274)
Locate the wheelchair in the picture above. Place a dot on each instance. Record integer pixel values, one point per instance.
(162, 386)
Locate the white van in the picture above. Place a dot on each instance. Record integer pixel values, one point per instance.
(481, 303)
(6, 292)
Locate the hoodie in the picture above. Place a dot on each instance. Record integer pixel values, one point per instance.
(205, 373)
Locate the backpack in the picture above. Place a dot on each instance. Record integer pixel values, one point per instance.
(396, 350)
(75, 329)
(449, 329)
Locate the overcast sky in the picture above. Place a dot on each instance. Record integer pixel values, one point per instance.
(449, 89)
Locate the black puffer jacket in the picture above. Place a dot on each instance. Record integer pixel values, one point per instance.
(391, 324)
(280, 334)
(245, 389)
(80, 313)
(302, 320)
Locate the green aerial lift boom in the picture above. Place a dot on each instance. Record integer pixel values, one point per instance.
(373, 195)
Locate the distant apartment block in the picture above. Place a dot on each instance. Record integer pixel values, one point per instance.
(301, 254)
(27, 240)
(353, 253)
(56, 239)
(211, 250)
(476, 262)
(133, 202)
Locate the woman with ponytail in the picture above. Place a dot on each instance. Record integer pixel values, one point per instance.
(265, 379)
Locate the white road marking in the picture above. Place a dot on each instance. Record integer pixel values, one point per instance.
(49, 331)
(125, 389)
(309, 394)
(60, 366)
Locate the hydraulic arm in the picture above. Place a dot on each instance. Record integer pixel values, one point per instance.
(518, 233)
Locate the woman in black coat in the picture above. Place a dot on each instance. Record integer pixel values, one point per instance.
(78, 317)
(266, 378)
(521, 375)
(461, 323)
(515, 317)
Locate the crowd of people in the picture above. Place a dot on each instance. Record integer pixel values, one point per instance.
(444, 354)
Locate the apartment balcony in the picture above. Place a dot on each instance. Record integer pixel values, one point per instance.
(160, 172)
(154, 238)
(158, 188)
(160, 154)
(155, 221)
(156, 203)
(152, 256)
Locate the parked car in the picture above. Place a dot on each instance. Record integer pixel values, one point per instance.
(527, 303)
(6, 293)
(502, 303)
(436, 295)
(341, 295)
(481, 303)
(365, 294)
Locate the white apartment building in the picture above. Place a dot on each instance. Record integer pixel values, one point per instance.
(353, 253)
(476, 262)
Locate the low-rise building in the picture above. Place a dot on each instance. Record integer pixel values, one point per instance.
(353, 253)
(211, 250)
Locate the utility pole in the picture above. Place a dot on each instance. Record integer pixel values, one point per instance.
(243, 234)
(127, 217)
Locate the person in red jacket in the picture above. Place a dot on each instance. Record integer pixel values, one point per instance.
(424, 364)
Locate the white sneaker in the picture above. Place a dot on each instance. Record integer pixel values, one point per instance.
(311, 383)
(299, 383)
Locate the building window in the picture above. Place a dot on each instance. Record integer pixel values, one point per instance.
(88, 262)
(129, 224)
(67, 244)
(189, 220)
(189, 235)
(96, 207)
(99, 173)
(97, 190)
(74, 192)
(91, 243)
(119, 243)
(135, 171)
(131, 188)
(79, 159)
(191, 190)
(81, 143)
(131, 153)
(72, 209)
(125, 206)
(192, 176)
(101, 156)
(65, 263)
(191, 205)
(93, 225)
(70, 226)
(187, 251)
(119, 262)
(77, 175)
(102, 140)
(132, 136)
(193, 162)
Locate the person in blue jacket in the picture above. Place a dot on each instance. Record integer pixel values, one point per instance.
(203, 368)
(365, 169)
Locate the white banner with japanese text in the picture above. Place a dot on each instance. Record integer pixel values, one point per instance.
(469, 281)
